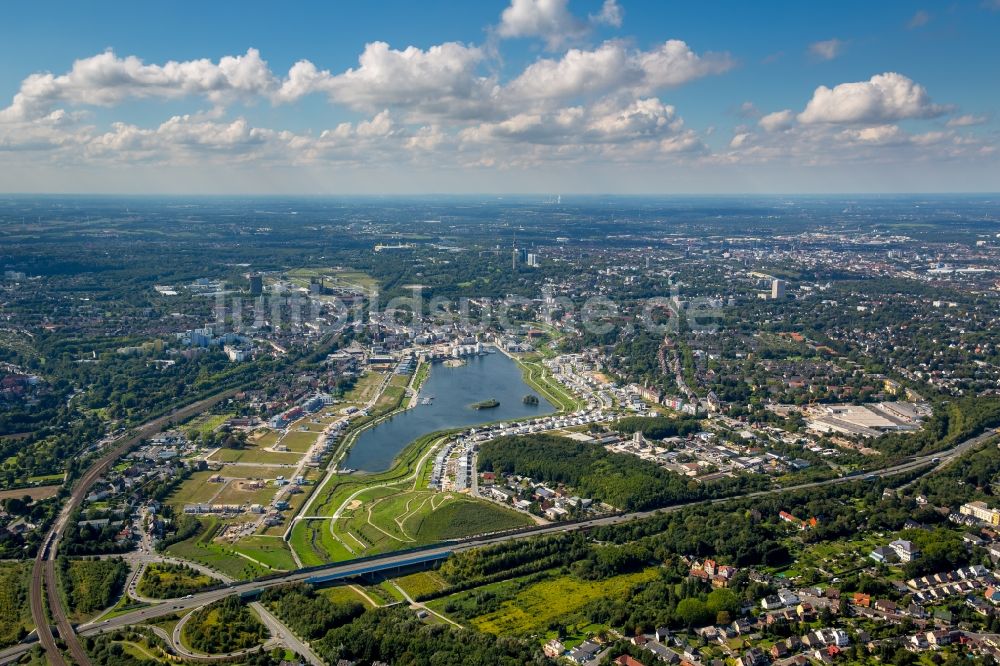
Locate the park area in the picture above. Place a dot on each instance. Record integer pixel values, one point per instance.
(356, 515)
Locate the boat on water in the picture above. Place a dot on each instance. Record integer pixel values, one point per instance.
(426, 401)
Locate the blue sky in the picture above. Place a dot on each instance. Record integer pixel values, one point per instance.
(518, 96)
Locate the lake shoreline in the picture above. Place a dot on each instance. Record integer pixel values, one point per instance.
(484, 377)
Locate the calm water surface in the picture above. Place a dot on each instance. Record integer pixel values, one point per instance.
(454, 390)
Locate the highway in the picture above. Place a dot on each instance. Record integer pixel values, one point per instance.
(392, 561)
(44, 568)
(388, 562)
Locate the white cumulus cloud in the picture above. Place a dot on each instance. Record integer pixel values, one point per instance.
(883, 98)
(552, 20)
(106, 79)
(613, 66)
(778, 120)
(441, 79)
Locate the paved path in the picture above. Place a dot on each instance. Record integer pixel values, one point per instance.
(416, 605)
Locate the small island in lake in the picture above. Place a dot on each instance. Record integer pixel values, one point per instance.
(530, 399)
(486, 404)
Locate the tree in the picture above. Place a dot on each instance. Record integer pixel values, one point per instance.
(692, 611)
(722, 600)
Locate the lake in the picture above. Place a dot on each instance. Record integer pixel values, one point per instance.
(454, 390)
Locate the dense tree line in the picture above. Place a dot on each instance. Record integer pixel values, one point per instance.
(971, 477)
(225, 626)
(513, 558)
(608, 561)
(309, 614)
(951, 423)
(658, 427)
(167, 580)
(92, 585)
(626, 482)
(14, 611)
(396, 636)
(184, 527)
(672, 600)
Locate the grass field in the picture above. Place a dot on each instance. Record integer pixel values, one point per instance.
(35, 492)
(424, 582)
(315, 545)
(340, 594)
(205, 423)
(15, 614)
(364, 388)
(265, 438)
(253, 471)
(385, 519)
(202, 549)
(272, 551)
(196, 490)
(254, 453)
(236, 491)
(299, 441)
(531, 609)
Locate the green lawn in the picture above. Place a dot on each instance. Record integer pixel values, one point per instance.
(314, 544)
(392, 519)
(196, 490)
(299, 441)
(340, 594)
(364, 388)
(464, 517)
(272, 551)
(254, 453)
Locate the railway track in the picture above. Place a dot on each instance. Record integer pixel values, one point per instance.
(43, 575)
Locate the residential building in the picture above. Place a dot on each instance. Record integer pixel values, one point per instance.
(904, 550)
(980, 511)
